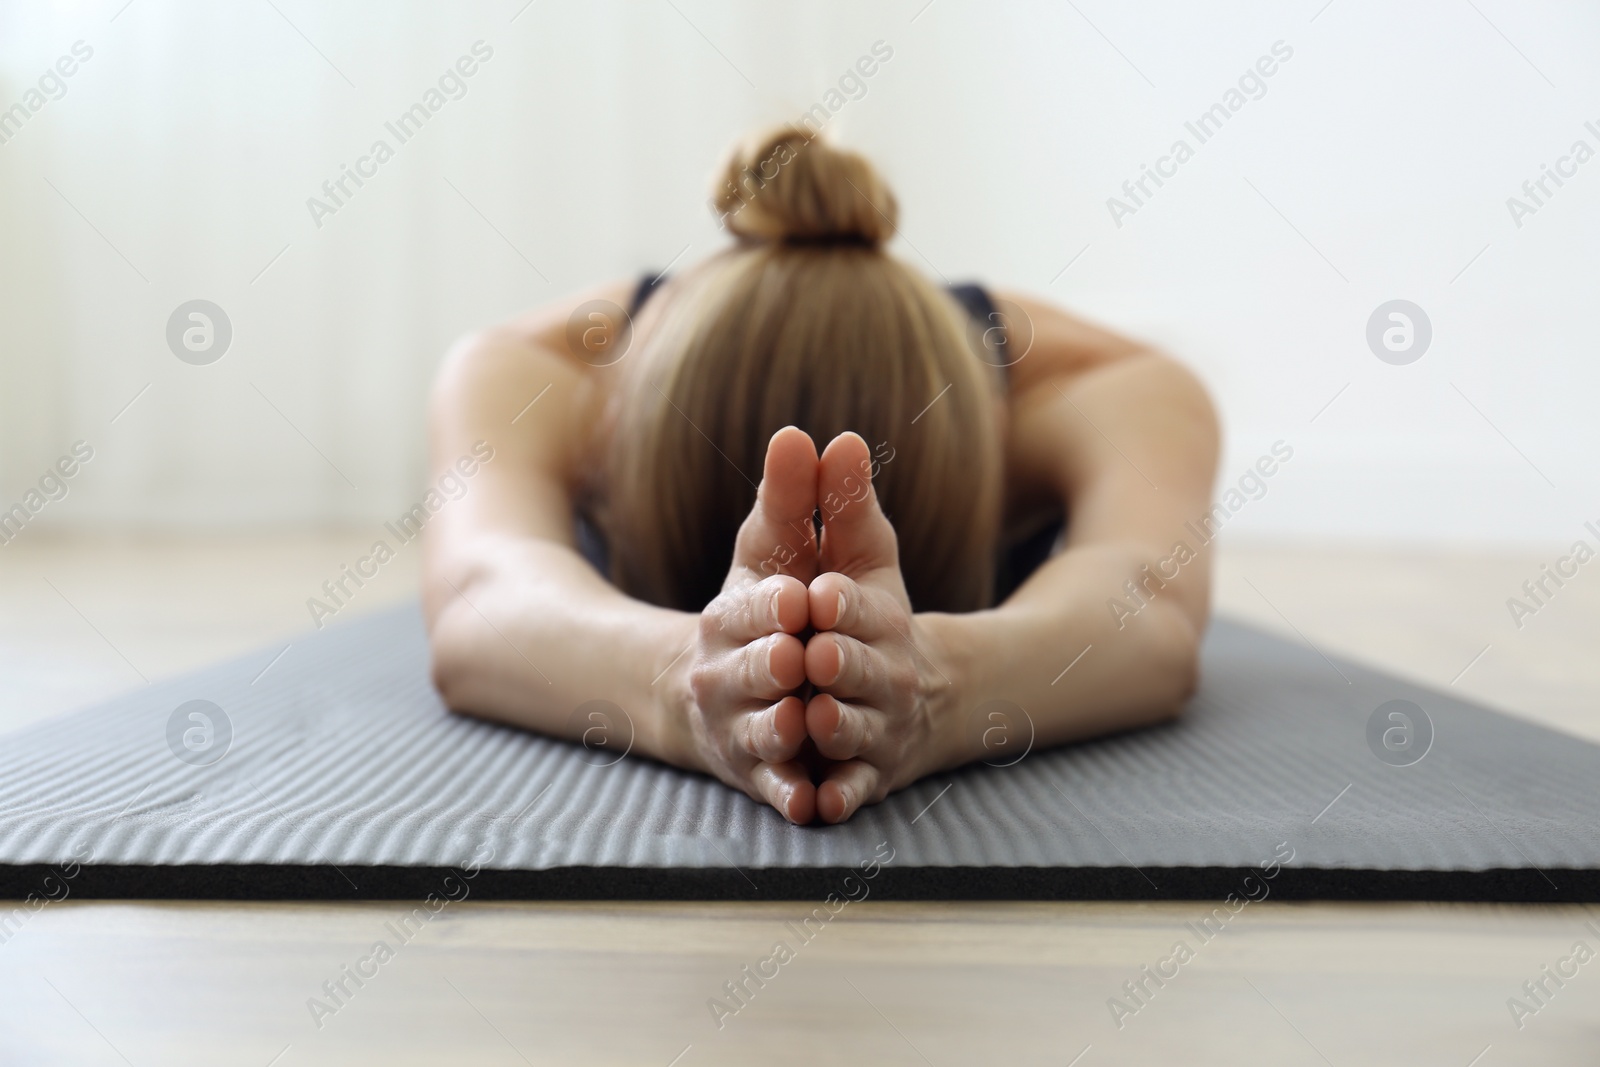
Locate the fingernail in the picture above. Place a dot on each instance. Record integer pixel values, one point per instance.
(840, 616)
(776, 596)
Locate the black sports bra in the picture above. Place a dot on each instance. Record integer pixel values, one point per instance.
(1016, 560)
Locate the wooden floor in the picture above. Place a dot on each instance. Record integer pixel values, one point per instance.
(882, 984)
(91, 983)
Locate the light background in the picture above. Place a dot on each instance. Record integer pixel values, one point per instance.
(178, 164)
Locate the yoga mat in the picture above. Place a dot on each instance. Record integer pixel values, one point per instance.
(332, 771)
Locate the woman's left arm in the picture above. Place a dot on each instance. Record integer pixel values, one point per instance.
(1127, 440)
(1104, 636)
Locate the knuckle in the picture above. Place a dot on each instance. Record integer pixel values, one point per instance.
(849, 600)
(903, 675)
(763, 603)
(753, 605)
(702, 681)
(750, 659)
(864, 660)
(848, 733)
(710, 626)
(866, 736)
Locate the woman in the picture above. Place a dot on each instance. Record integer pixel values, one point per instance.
(993, 516)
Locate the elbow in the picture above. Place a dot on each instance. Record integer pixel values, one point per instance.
(456, 663)
(1174, 656)
(449, 666)
(445, 671)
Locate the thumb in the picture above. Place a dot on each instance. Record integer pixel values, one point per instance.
(777, 537)
(857, 537)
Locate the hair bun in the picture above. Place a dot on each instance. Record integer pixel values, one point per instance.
(789, 186)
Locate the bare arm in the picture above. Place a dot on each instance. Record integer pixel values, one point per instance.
(1128, 440)
(523, 630)
(521, 627)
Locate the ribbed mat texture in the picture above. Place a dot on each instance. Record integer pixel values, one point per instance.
(341, 755)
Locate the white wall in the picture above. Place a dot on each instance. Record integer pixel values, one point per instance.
(185, 149)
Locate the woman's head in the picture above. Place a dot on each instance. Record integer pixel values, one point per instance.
(804, 321)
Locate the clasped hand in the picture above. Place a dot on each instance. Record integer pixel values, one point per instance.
(809, 686)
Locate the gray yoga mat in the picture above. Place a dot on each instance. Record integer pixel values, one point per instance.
(344, 777)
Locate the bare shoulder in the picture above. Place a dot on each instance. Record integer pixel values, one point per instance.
(1064, 347)
(520, 384)
(531, 340)
(1059, 342)
(548, 324)
(1078, 376)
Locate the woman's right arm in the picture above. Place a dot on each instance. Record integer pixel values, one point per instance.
(524, 631)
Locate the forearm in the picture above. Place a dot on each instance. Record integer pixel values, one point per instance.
(1075, 666)
(1105, 635)
(524, 631)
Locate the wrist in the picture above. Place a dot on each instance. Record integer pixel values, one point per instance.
(980, 716)
(951, 647)
(665, 734)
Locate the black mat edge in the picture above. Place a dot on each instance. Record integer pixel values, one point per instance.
(325, 883)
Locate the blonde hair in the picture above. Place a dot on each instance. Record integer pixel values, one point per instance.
(804, 321)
